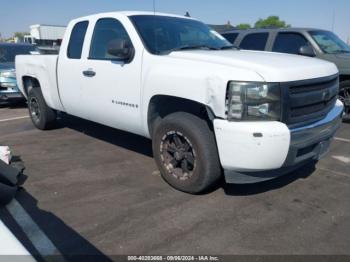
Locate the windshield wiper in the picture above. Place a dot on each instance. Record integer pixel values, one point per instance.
(192, 47)
(227, 47)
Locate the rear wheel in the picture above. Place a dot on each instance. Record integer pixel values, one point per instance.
(43, 117)
(344, 96)
(185, 151)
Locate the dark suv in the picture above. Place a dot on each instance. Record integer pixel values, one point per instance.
(300, 41)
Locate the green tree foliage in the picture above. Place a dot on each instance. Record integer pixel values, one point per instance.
(271, 21)
(243, 26)
(20, 34)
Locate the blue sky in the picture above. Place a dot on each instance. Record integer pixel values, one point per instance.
(17, 15)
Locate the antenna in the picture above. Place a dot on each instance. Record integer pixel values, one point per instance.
(154, 7)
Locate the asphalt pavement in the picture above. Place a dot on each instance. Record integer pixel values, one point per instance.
(94, 190)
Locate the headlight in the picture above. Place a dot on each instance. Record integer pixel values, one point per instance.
(253, 101)
(8, 74)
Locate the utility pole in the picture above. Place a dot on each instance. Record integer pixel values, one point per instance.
(333, 21)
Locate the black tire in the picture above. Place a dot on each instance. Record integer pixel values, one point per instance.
(344, 95)
(198, 152)
(43, 117)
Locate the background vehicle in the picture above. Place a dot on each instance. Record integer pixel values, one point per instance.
(8, 84)
(206, 105)
(47, 38)
(300, 41)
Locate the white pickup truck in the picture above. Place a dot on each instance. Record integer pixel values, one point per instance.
(210, 109)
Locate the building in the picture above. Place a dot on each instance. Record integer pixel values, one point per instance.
(48, 38)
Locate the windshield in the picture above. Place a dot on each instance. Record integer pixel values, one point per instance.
(162, 34)
(9, 52)
(329, 42)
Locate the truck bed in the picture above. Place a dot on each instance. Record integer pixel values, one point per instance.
(43, 68)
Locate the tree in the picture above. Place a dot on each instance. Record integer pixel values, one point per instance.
(20, 35)
(271, 21)
(243, 26)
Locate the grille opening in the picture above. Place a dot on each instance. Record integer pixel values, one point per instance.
(306, 150)
(313, 108)
(313, 87)
(310, 100)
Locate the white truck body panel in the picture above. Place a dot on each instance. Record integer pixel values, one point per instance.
(43, 68)
(119, 94)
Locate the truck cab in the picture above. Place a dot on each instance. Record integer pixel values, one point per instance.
(210, 109)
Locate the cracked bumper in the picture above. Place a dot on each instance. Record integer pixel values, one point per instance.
(257, 151)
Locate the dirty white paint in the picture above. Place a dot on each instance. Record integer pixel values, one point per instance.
(9, 245)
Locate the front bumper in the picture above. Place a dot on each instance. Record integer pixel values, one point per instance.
(257, 151)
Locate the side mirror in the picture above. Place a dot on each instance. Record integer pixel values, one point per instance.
(121, 49)
(307, 50)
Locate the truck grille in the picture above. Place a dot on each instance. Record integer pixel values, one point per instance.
(311, 100)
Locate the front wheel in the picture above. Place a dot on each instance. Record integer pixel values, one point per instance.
(185, 151)
(344, 96)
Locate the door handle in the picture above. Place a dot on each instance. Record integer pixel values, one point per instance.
(89, 73)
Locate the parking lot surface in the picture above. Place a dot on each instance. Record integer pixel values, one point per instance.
(95, 190)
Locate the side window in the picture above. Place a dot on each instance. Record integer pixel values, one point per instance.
(289, 43)
(231, 37)
(106, 31)
(256, 41)
(76, 40)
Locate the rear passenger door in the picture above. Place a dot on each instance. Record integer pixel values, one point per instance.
(289, 42)
(255, 41)
(70, 65)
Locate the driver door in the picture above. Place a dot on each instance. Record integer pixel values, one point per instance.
(111, 88)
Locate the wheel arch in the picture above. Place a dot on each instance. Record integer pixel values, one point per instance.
(29, 82)
(162, 105)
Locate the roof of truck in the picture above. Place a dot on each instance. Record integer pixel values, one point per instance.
(133, 13)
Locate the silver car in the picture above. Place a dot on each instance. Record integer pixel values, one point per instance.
(8, 84)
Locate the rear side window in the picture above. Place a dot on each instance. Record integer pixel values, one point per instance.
(256, 41)
(289, 43)
(106, 31)
(231, 37)
(76, 40)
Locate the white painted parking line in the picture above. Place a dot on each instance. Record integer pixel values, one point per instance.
(342, 139)
(343, 159)
(14, 118)
(36, 236)
(334, 172)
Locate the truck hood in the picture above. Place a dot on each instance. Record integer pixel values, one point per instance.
(272, 67)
